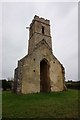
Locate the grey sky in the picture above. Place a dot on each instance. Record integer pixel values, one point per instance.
(63, 18)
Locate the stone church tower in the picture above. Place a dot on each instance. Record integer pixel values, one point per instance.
(40, 70)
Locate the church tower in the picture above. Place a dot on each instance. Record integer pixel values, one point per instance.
(39, 30)
(39, 70)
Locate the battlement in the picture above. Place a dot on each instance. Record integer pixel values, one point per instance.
(40, 19)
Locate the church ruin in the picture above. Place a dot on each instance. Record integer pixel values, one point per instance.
(39, 70)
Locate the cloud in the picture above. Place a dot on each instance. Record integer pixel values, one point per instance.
(63, 19)
(1, 40)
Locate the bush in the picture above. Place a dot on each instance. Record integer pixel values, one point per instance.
(6, 84)
(73, 85)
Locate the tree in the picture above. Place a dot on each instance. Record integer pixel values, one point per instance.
(6, 84)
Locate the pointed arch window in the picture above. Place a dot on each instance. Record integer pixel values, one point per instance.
(44, 76)
(42, 29)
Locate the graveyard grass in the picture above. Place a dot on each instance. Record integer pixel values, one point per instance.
(41, 105)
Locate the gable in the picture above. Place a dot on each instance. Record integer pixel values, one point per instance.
(43, 42)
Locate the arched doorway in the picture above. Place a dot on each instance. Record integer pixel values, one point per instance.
(44, 76)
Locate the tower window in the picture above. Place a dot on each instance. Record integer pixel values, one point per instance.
(34, 59)
(42, 29)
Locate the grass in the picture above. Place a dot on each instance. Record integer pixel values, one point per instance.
(41, 105)
(0, 104)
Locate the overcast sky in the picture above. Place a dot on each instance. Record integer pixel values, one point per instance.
(63, 18)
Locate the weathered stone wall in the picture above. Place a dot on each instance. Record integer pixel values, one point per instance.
(36, 34)
(31, 71)
(27, 75)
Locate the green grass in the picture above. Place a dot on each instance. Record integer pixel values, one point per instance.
(41, 105)
(0, 104)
